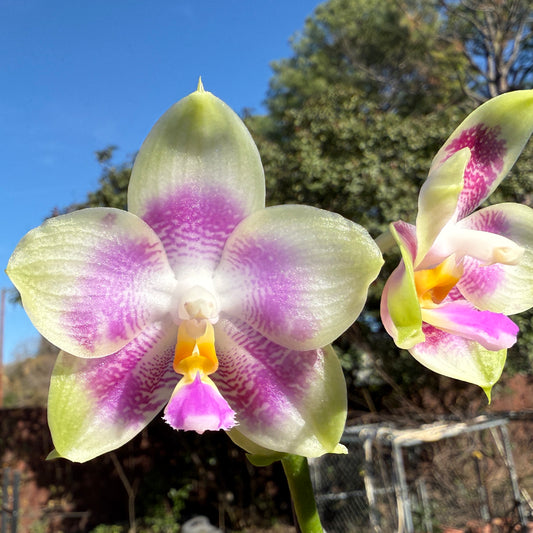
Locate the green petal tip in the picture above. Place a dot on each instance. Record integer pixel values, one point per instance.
(54, 454)
(488, 391)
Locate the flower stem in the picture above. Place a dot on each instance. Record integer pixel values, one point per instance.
(297, 472)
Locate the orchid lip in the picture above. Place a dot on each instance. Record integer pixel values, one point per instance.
(196, 403)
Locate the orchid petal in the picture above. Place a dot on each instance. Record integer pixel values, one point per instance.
(459, 358)
(400, 309)
(297, 274)
(503, 288)
(437, 201)
(91, 280)
(196, 176)
(496, 133)
(96, 405)
(493, 331)
(285, 400)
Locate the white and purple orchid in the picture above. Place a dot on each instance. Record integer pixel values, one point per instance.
(463, 272)
(198, 298)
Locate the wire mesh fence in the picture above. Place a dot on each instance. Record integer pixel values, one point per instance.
(432, 478)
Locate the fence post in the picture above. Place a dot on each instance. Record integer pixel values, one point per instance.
(405, 519)
(504, 445)
(15, 507)
(10, 512)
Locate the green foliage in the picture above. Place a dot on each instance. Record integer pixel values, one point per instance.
(103, 528)
(165, 517)
(114, 180)
(391, 53)
(27, 381)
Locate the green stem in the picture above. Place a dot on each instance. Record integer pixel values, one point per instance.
(303, 498)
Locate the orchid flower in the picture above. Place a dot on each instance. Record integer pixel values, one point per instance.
(463, 272)
(198, 298)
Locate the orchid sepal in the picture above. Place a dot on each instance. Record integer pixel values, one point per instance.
(281, 394)
(96, 405)
(459, 358)
(196, 176)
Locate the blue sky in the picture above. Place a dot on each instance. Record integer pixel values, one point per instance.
(78, 76)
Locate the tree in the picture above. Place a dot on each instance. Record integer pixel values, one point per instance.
(393, 53)
(114, 180)
(496, 37)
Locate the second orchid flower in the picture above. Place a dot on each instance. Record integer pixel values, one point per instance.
(462, 273)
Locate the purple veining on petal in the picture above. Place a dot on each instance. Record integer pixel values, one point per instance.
(194, 223)
(436, 338)
(262, 381)
(134, 383)
(454, 295)
(111, 302)
(274, 285)
(490, 220)
(478, 279)
(488, 149)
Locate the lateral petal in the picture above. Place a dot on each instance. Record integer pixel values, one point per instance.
(459, 358)
(92, 280)
(286, 400)
(437, 201)
(196, 176)
(297, 274)
(97, 405)
(502, 288)
(496, 133)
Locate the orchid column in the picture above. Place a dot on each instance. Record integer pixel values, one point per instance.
(199, 299)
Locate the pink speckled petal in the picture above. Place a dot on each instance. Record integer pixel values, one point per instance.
(196, 176)
(297, 274)
(493, 331)
(92, 280)
(501, 288)
(495, 133)
(198, 406)
(285, 400)
(459, 358)
(96, 405)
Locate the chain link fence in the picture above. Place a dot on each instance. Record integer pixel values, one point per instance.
(428, 479)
